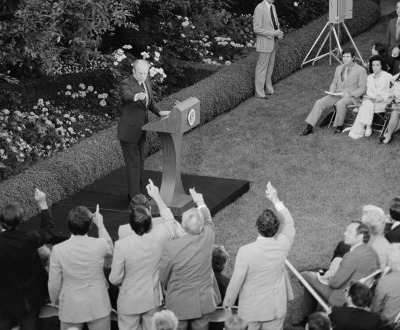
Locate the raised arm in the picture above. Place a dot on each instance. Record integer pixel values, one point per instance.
(98, 221)
(202, 207)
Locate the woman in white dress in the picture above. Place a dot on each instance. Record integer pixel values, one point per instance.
(394, 121)
(376, 98)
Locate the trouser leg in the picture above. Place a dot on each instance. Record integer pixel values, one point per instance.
(319, 106)
(261, 73)
(341, 110)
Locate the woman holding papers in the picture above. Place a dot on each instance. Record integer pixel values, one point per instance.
(375, 100)
(394, 121)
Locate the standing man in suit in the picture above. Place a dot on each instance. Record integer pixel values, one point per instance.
(350, 82)
(266, 28)
(76, 276)
(23, 280)
(259, 278)
(137, 99)
(185, 269)
(392, 41)
(359, 262)
(135, 264)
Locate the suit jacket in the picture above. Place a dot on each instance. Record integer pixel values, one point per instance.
(186, 273)
(76, 278)
(356, 264)
(393, 235)
(263, 27)
(134, 113)
(260, 277)
(390, 38)
(135, 267)
(356, 84)
(387, 297)
(350, 318)
(23, 280)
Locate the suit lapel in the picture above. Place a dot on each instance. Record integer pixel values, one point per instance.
(138, 89)
(267, 13)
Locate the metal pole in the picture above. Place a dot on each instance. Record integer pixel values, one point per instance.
(315, 42)
(308, 287)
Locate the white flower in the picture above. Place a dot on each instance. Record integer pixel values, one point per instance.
(152, 71)
(82, 93)
(103, 103)
(182, 35)
(82, 86)
(40, 102)
(66, 115)
(6, 111)
(295, 4)
(90, 88)
(127, 47)
(70, 129)
(145, 55)
(221, 58)
(178, 17)
(68, 87)
(115, 63)
(185, 24)
(228, 63)
(72, 119)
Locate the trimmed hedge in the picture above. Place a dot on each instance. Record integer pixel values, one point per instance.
(95, 157)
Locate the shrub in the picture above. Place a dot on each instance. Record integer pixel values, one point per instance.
(92, 158)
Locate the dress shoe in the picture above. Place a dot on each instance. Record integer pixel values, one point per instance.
(270, 90)
(368, 132)
(302, 323)
(339, 129)
(307, 130)
(382, 140)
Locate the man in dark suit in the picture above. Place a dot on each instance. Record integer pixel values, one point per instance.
(359, 262)
(23, 280)
(349, 83)
(392, 41)
(393, 229)
(137, 99)
(185, 269)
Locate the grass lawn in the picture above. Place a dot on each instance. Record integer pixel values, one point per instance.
(324, 179)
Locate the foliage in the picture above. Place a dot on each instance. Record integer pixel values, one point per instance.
(45, 34)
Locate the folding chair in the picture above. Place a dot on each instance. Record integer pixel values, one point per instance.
(396, 325)
(371, 279)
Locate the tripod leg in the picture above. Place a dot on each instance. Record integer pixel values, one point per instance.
(312, 47)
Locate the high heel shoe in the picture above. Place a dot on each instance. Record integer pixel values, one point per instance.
(382, 139)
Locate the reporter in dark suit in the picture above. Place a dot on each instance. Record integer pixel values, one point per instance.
(23, 280)
(137, 99)
(392, 40)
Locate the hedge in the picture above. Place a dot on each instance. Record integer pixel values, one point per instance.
(92, 158)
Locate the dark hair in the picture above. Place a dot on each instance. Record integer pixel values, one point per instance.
(11, 216)
(139, 200)
(79, 220)
(379, 58)
(140, 220)
(380, 49)
(319, 321)
(267, 223)
(349, 50)
(219, 258)
(394, 208)
(363, 229)
(360, 295)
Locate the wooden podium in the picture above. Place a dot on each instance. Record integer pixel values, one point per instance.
(183, 117)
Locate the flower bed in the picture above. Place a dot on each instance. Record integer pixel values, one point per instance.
(94, 157)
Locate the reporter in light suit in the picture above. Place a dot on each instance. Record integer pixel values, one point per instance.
(266, 28)
(260, 277)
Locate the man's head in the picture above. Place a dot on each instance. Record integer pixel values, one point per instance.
(11, 216)
(356, 233)
(394, 209)
(359, 295)
(140, 70)
(374, 217)
(394, 257)
(319, 321)
(139, 200)
(79, 220)
(164, 320)
(235, 322)
(192, 221)
(267, 223)
(348, 55)
(219, 258)
(140, 220)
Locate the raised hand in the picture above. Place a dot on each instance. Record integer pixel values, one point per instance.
(197, 197)
(40, 196)
(98, 218)
(152, 190)
(271, 193)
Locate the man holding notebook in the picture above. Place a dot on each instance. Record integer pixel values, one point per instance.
(349, 83)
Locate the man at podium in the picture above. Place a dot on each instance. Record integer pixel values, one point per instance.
(137, 99)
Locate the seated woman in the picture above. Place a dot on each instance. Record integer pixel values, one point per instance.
(375, 100)
(394, 121)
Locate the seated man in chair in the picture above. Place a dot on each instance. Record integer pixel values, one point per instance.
(349, 83)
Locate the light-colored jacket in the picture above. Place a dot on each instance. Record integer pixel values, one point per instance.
(263, 27)
(76, 278)
(356, 83)
(260, 277)
(135, 266)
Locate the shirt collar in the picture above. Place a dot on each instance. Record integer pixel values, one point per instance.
(78, 236)
(350, 66)
(354, 246)
(397, 223)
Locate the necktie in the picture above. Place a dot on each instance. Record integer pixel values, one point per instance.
(345, 75)
(142, 84)
(273, 18)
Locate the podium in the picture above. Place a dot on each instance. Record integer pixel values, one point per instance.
(183, 117)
